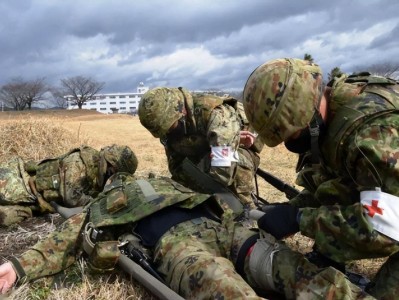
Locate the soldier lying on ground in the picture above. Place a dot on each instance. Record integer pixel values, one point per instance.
(211, 131)
(71, 180)
(195, 246)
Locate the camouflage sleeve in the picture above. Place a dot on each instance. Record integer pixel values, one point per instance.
(53, 254)
(373, 156)
(224, 129)
(341, 228)
(343, 233)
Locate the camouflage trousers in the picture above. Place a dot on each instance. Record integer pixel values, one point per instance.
(244, 178)
(297, 278)
(16, 199)
(196, 259)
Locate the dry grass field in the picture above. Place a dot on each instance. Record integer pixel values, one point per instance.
(40, 134)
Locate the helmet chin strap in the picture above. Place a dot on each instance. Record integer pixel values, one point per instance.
(188, 116)
(314, 129)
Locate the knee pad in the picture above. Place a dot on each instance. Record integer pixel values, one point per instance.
(244, 249)
(261, 261)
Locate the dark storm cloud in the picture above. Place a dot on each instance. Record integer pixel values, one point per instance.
(196, 43)
(388, 40)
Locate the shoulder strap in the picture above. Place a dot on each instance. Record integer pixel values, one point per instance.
(357, 99)
(215, 187)
(148, 190)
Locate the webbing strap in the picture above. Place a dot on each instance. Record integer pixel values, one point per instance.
(87, 243)
(314, 129)
(213, 186)
(148, 190)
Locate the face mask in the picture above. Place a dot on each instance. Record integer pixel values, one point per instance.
(302, 143)
(179, 131)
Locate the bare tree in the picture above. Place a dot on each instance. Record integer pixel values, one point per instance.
(80, 90)
(20, 94)
(58, 97)
(34, 91)
(385, 69)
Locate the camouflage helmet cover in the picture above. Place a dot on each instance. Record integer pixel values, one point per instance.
(161, 107)
(280, 98)
(122, 158)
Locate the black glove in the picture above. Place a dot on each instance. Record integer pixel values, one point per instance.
(280, 220)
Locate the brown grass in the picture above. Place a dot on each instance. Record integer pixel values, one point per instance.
(40, 134)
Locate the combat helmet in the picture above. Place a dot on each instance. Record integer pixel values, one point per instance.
(161, 107)
(121, 158)
(281, 97)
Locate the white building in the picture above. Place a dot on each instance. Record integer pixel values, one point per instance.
(122, 103)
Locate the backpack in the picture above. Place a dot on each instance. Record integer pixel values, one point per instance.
(356, 99)
(127, 200)
(69, 179)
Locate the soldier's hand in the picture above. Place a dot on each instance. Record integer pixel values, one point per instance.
(280, 220)
(7, 277)
(247, 138)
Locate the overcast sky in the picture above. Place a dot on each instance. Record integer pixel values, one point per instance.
(197, 44)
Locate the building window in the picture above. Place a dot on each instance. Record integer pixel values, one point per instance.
(132, 107)
(122, 102)
(123, 108)
(122, 96)
(112, 97)
(103, 108)
(103, 103)
(112, 103)
(93, 103)
(131, 96)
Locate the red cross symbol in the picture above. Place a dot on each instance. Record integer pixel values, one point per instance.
(373, 208)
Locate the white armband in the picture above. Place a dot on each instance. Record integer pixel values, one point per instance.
(382, 211)
(222, 156)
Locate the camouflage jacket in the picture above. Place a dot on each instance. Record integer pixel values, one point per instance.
(124, 201)
(358, 153)
(211, 121)
(70, 179)
(14, 188)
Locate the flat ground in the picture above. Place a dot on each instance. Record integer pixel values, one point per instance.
(20, 132)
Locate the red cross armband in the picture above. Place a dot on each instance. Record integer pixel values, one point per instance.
(223, 156)
(382, 211)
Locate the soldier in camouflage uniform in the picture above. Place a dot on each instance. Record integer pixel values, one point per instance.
(212, 132)
(71, 180)
(350, 203)
(194, 244)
